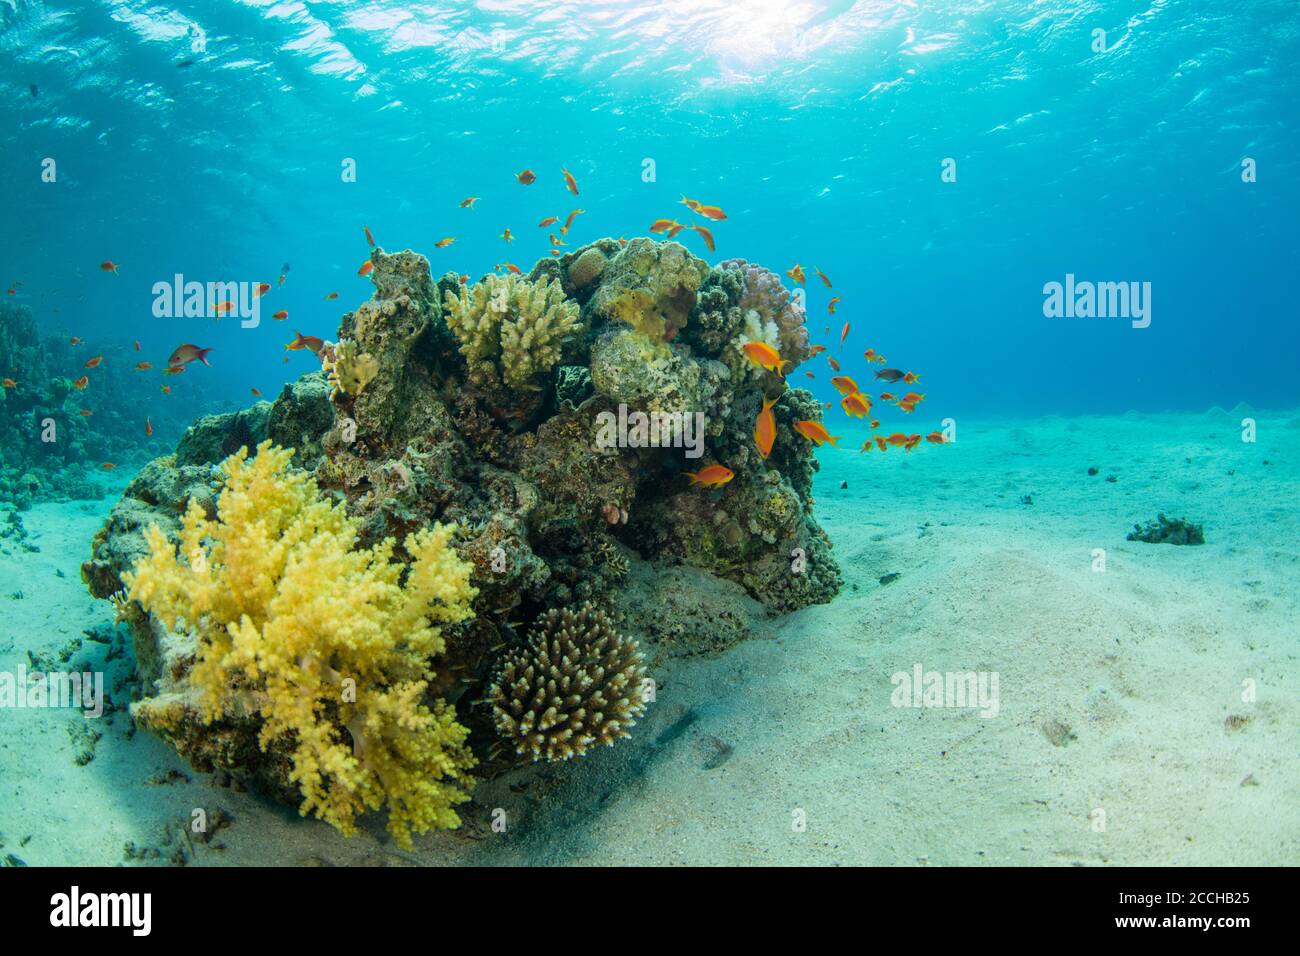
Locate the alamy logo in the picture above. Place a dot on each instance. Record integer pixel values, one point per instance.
(22, 690)
(651, 430)
(960, 689)
(178, 299)
(1098, 300)
(103, 909)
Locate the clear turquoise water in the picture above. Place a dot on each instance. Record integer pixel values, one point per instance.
(207, 138)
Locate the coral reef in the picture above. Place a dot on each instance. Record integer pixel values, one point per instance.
(575, 684)
(551, 417)
(328, 644)
(1163, 531)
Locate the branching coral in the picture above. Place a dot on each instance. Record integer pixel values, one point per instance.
(577, 682)
(329, 644)
(519, 324)
(349, 369)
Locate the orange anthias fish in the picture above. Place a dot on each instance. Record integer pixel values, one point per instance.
(911, 378)
(764, 356)
(173, 369)
(166, 389)
(9, 383)
(81, 383)
(709, 212)
(897, 439)
(912, 442)
(313, 342)
(187, 353)
(148, 427)
(262, 289)
(511, 267)
(223, 308)
(570, 182)
(844, 334)
(91, 363)
(74, 341)
(366, 268)
(507, 236)
(825, 281)
(331, 297)
(844, 385)
(765, 427)
(256, 392)
(526, 178)
(936, 438)
(662, 225)
(912, 398)
(816, 351)
(281, 315)
(108, 466)
(815, 432)
(706, 236)
(830, 306)
(872, 356)
(796, 274)
(714, 476)
(692, 204)
(548, 221)
(137, 345)
(369, 236)
(887, 397)
(882, 443)
(108, 265)
(890, 375)
(143, 366)
(907, 407)
(468, 202)
(875, 423)
(867, 446)
(856, 405)
(444, 242)
(835, 366)
(569, 222)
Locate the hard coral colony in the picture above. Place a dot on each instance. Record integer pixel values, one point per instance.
(407, 573)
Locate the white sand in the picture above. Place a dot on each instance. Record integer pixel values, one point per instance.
(1134, 670)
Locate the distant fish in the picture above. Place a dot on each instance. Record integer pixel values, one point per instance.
(187, 353)
(166, 389)
(825, 281)
(835, 366)
(662, 225)
(844, 334)
(548, 221)
(714, 476)
(137, 345)
(569, 222)
(366, 268)
(444, 242)
(143, 366)
(9, 383)
(261, 289)
(706, 236)
(331, 297)
(148, 427)
(507, 236)
(936, 438)
(526, 178)
(709, 212)
(570, 182)
(282, 315)
(830, 306)
(81, 383)
(108, 466)
(108, 265)
(692, 204)
(369, 236)
(764, 356)
(872, 356)
(74, 341)
(911, 378)
(256, 393)
(93, 362)
(34, 90)
(468, 202)
(796, 274)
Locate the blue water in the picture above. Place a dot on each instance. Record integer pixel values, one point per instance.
(206, 138)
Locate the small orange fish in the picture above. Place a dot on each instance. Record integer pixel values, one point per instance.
(281, 315)
(825, 281)
(444, 242)
(815, 432)
(796, 274)
(187, 353)
(912, 442)
(468, 202)
(331, 297)
(765, 427)
(569, 222)
(74, 341)
(714, 476)
(875, 423)
(13, 291)
(548, 221)
(366, 268)
(835, 366)
(709, 212)
(887, 397)
(911, 378)
(108, 265)
(507, 236)
(92, 363)
(166, 389)
(867, 446)
(844, 385)
(936, 438)
(369, 237)
(912, 398)
(262, 289)
(313, 342)
(907, 407)
(280, 281)
(556, 241)
(256, 393)
(706, 236)
(764, 356)
(882, 443)
(570, 182)
(108, 466)
(674, 229)
(810, 375)
(844, 334)
(143, 366)
(830, 306)
(137, 345)
(897, 439)
(223, 308)
(872, 356)
(173, 369)
(148, 427)
(526, 178)
(81, 383)
(662, 225)
(856, 405)
(816, 350)
(9, 383)
(511, 267)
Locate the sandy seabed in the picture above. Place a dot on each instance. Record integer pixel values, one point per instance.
(1147, 713)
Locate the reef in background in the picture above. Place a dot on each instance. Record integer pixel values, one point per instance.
(511, 408)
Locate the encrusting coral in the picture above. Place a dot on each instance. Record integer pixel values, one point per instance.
(576, 683)
(511, 323)
(329, 644)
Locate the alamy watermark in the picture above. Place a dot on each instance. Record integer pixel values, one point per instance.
(651, 430)
(1098, 300)
(178, 299)
(954, 689)
(53, 689)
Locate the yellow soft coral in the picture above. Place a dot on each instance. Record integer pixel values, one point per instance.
(329, 643)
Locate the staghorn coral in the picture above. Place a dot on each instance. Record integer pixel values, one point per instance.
(511, 328)
(576, 682)
(326, 644)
